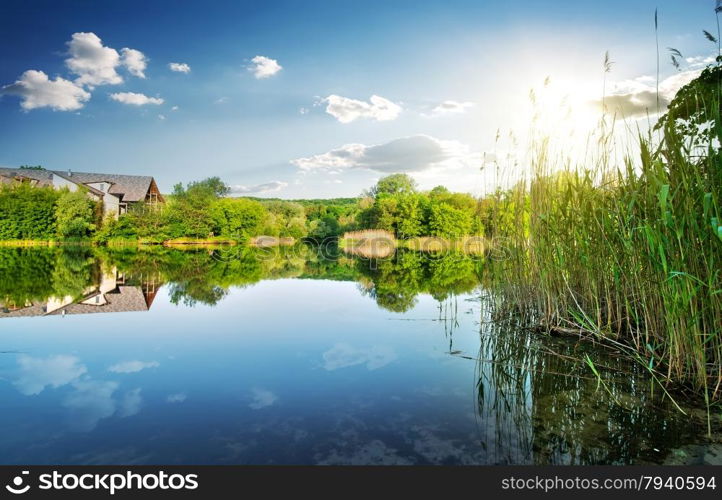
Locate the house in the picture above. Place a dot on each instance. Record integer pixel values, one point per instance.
(113, 293)
(116, 192)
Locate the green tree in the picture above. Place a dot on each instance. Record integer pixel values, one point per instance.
(446, 221)
(410, 217)
(238, 218)
(27, 212)
(393, 184)
(386, 213)
(75, 214)
(285, 218)
(188, 212)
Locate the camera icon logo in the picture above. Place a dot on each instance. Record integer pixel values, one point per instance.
(17, 487)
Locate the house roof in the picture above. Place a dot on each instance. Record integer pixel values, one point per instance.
(128, 188)
(44, 177)
(122, 299)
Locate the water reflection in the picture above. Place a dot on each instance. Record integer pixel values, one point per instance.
(48, 281)
(539, 404)
(400, 360)
(82, 280)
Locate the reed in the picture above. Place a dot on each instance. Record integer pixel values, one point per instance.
(627, 247)
(369, 243)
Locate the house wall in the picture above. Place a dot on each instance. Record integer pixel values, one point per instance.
(100, 186)
(61, 182)
(111, 205)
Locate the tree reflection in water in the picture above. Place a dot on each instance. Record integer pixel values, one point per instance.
(536, 400)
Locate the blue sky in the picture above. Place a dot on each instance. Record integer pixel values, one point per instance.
(300, 121)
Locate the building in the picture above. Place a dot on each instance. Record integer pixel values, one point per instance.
(115, 292)
(116, 192)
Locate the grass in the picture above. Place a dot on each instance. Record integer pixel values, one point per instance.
(626, 247)
(44, 243)
(369, 243)
(381, 243)
(216, 240)
(272, 241)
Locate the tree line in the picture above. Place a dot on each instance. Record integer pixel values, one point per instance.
(204, 210)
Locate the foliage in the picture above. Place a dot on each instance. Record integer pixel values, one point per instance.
(445, 221)
(285, 218)
(74, 214)
(27, 212)
(393, 184)
(239, 219)
(408, 214)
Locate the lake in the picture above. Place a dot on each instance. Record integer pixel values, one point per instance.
(284, 356)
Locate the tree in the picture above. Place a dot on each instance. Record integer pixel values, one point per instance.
(212, 187)
(74, 214)
(697, 102)
(393, 184)
(326, 227)
(285, 218)
(386, 213)
(238, 218)
(410, 219)
(188, 212)
(27, 212)
(446, 221)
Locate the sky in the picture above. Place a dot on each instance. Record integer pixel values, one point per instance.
(319, 99)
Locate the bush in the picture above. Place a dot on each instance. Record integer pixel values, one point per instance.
(74, 214)
(27, 213)
(239, 219)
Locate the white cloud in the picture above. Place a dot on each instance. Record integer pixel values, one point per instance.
(37, 91)
(697, 62)
(264, 67)
(93, 64)
(178, 397)
(161, 117)
(174, 108)
(135, 61)
(96, 64)
(130, 404)
(38, 373)
(347, 110)
(407, 154)
(344, 355)
(449, 107)
(135, 99)
(132, 366)
(179, 67)
(91, 61)
(266, 187)
(638, 96)
(91, 401)
(262, 398)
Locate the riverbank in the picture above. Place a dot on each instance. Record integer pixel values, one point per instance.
(258, 241)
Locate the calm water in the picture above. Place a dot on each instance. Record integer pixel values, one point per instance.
(255, 357)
